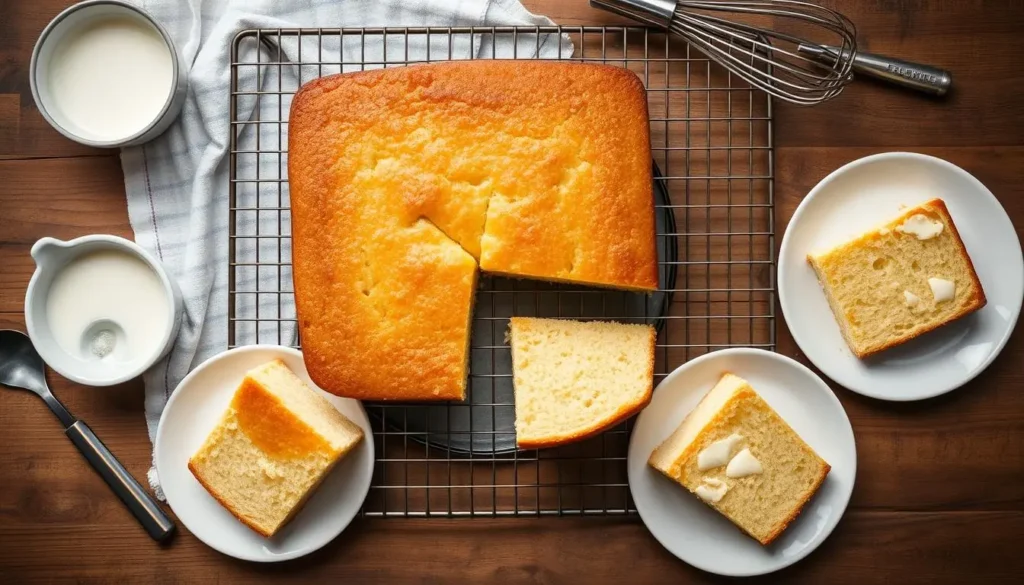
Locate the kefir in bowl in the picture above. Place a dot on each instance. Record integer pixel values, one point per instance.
(106, 74)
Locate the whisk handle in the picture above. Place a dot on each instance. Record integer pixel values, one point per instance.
(923, 78)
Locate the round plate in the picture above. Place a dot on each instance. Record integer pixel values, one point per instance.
(193, 411)
(696, 533)
(861, 195)
(485, 422)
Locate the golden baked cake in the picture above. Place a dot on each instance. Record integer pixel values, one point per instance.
(574, 379)
(404, 180)
(272, 447)
(738, 456)
(900, 280)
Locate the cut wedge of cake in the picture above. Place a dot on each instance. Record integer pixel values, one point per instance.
(735, 453)
(574, 379)
(272, 447)
(900, 280)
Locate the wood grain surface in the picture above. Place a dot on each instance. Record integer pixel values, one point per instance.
(940, 487)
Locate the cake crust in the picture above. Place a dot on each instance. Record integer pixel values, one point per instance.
(404, 180)
(622, 414)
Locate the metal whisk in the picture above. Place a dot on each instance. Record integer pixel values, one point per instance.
(755, 44)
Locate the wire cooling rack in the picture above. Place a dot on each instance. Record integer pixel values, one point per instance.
(711, 138)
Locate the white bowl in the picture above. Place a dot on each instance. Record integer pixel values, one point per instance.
(73, 19)
(861, 195)
(696, 533)
(51, 255)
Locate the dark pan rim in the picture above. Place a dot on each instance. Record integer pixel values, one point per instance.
(378, 410)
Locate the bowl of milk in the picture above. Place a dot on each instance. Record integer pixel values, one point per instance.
(106, 74)
(99, 309)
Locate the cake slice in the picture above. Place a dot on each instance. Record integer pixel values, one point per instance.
(900, 280)
(574, 379)
(734, 452)
(272, 447)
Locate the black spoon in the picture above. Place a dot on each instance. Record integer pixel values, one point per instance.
(21, 367)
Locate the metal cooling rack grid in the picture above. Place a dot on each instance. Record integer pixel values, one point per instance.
(711, 137)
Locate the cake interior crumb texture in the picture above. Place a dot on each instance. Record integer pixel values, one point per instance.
(878, 283)
(573, 379)
(762, 505)
(404, 182)
(273, 446)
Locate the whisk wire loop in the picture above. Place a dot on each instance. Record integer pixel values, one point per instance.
(767, 56)
(758, 41)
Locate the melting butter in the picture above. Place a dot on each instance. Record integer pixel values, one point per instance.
(712, 490)
(911, 298)
(921, 226)
(743, 464)
(942, 289)
(717, 454)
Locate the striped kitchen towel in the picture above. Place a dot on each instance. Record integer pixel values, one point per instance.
(177, 184)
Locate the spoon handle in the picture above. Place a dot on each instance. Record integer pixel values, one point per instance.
(146, 511)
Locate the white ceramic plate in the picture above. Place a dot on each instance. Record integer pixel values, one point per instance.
(862, 195)
(190, 415)
(694, 532)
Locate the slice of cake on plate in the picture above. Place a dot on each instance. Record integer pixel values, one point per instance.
(735, 453)
(900, 280)
(575, 379)
(272, 447)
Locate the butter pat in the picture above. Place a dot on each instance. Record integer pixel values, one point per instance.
(717, 454)
(920, 225)
(743, 464)
(911, 299)
(942, 289)
(712, 490)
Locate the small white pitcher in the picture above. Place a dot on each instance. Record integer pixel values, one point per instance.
(51, 256)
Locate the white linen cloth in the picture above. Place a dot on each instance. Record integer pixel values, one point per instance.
(177, 184)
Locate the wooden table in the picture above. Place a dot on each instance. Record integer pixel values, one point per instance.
(940, 486)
